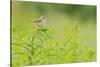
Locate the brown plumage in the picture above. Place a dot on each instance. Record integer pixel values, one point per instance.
(41, 21)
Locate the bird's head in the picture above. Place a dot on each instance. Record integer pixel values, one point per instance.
(43, 17)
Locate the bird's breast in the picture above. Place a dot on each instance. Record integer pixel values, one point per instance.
(43, 21)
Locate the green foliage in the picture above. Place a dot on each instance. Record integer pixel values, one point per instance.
(42, 47)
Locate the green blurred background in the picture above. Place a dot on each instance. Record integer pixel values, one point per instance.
(58, 16)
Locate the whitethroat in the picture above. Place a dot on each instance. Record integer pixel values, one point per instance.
(40, 22)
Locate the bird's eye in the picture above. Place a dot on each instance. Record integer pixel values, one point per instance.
(45, 17)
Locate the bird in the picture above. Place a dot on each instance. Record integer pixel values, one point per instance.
(40, 21)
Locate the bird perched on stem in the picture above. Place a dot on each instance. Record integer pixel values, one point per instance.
(40, 22)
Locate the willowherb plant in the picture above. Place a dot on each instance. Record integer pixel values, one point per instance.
(34, 48)
(44, 48)
(71, 42)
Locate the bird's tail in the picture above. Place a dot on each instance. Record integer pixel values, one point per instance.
(35, 21)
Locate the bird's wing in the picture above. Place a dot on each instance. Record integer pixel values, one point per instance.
(38, 20)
